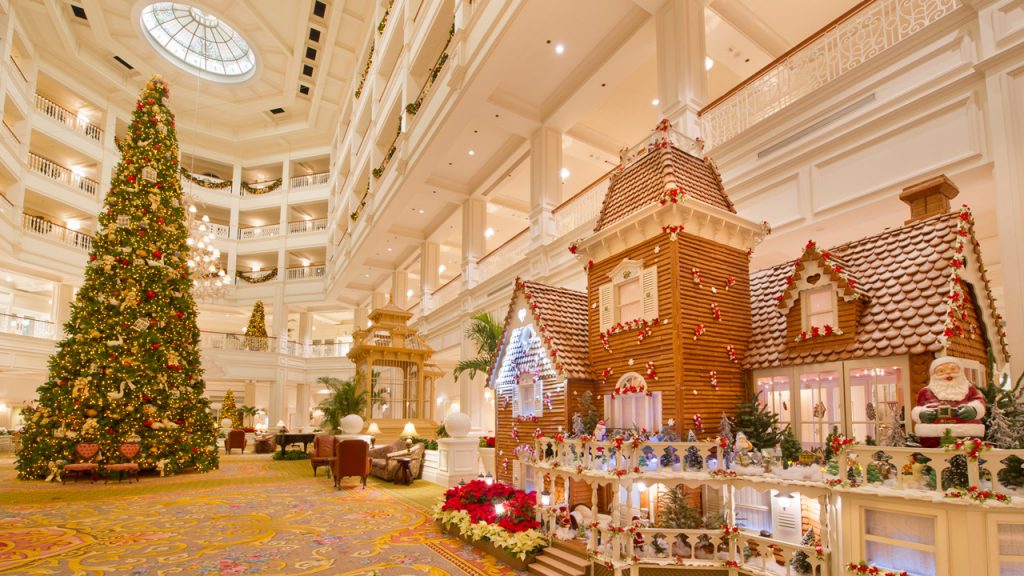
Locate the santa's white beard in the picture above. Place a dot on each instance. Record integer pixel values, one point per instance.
(951, 390)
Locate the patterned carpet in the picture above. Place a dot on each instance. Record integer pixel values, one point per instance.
(253, 516)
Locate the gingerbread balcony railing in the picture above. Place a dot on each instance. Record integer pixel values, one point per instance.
(863, 33)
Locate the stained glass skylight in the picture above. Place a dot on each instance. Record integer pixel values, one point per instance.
(198, 42)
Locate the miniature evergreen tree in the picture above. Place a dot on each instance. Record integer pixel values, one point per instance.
(956, 475)
(588, 411)
(1000, 432)
(256, 331)
(674, 511)
(895, 435)
(759, 424)
(229, 410)
(129, 368)
(790, 446)
(800, 562)
(692, 458)
(725, 428)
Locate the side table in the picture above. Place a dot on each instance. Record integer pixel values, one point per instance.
(404, 473)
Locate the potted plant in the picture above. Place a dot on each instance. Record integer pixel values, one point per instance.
(487, 454)
(344, 398)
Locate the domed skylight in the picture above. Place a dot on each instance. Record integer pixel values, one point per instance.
(198, 42)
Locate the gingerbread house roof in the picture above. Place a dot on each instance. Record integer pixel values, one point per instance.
(643, 182)
(909, 277)
(559, 316)
(815, 261)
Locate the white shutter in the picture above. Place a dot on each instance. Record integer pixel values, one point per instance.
(604, 306)
(649, 291)
(515, 400)
(538, 397)
(712, 500)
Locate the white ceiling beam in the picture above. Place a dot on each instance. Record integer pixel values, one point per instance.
(749, 24)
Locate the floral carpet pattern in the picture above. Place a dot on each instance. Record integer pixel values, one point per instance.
(253, 516)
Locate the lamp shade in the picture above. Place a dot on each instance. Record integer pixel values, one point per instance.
(373, 429)
(280, 423)
(409, 430)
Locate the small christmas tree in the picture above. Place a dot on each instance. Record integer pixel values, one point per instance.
(692, 459)
(1001, 432)
(800, 562)
(674, 511)
(256, 331)
(129, 369)
(759, 424)
(895, 435)
(790, 447)
(229, 410)
(725, 428)
(588, 411)
(955, 476)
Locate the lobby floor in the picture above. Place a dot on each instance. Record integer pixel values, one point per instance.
(253, 516)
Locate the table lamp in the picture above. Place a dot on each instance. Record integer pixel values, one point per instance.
(408, 432)
(373, 431)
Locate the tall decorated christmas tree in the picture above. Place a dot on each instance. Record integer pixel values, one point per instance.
(256, 330)
(129, 369)
(229, 410)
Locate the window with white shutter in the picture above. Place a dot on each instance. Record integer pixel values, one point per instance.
(649, 292)
(604, 306)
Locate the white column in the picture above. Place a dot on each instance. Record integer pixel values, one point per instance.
(302, 404)
(63, 296)
(359, 318)
(236, 189)
(682, 79)
(474, 222)
(545, 184)
(306, 328)
(380, 300)
(430, 258)
(470, 390)
(250, 393)
(286, 177)
(399, 287)
(278, 406)
(110, 153)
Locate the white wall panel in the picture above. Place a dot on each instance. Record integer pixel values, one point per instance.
(778, 203)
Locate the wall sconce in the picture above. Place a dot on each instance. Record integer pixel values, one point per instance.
(545, 498)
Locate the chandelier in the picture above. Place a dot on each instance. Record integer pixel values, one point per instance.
(209, 281)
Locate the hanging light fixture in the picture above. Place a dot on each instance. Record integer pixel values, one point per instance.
(209, 281)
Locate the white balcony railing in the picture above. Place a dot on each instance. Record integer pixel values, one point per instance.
(43, 227)
(582, 208)
(848, 42)
(65, 176)
(22, 326)
(506, 255)
(336, 350)
(259, 232)
(303, 226)
(310, 180)
(447, 292)
(220, 230)
(18, 69)
(11, 132)
(65, 117)
(242, 343)
(307, 272)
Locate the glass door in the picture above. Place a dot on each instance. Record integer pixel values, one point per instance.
(876, 401)
(821, 402)
(773, 392)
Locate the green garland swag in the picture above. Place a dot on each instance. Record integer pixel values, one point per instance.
(204, 182)
(270, 275)
(366, 70)
(250, 189)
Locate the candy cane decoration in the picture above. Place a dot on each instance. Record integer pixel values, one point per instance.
(696, 276)
(698, 331)
(732, 353)
(698, 422)
(716, 312)
(714, 379)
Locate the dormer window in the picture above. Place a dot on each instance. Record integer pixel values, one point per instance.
(819, 307)
(632, 294)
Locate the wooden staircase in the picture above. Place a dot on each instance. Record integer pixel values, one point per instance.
(561, 559)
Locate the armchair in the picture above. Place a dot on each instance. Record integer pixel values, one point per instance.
(351, 458)
(235, 439)
(384, 463)
(323, 453)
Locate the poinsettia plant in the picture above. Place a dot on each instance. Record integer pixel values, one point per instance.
(472, 508)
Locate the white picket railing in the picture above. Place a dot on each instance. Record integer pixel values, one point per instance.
(65, 117)
(259, 232)
(242, 343)
(307, 272)
(65, 176)
(22, 326)
(43, 227)
(582, 208)
(220, 230)
(310, 180)
(447, 292)
(506, 255)
(303, 226)
(845, 44)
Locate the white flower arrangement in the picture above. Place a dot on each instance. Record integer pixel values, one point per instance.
(520, 544)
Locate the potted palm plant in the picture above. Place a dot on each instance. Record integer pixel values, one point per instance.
(344, 398)
(485, 332)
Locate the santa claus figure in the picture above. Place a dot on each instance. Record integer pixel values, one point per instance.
(948, 402)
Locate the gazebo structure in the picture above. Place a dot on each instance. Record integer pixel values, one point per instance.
(393, 360)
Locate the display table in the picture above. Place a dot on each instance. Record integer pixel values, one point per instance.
(404, 473)
(289, 438)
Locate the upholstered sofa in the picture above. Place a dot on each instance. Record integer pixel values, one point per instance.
(384, 463)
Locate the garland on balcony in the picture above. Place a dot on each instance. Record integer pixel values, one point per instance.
(270, 275)
(250, 189)
(362, 204)
(413, 107)
(379, 170)
(204, 182)
(366, 69)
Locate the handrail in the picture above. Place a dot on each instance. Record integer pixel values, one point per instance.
(62, 174)
(11, 131)
(313, 271)
(587, 188)
(504, 244)
(18, 68)
(66, 117)
(25, 326)
(303, 226)
(6, 200)
(267, 231)
(310, 180)
(42, 227)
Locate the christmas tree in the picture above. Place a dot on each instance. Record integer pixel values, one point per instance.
(790, 447)
(129, 368)
(895, 435)
(725, 428)
(675, 511)
(759, 424)
(229, 410)
(256, 331)
(800, 562)
(693, 459)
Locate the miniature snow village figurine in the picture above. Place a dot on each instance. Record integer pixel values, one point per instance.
(674, 327)
(948, 402)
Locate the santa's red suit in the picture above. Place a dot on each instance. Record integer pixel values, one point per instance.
(944, 396)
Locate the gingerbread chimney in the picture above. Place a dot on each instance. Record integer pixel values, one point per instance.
(929, 198)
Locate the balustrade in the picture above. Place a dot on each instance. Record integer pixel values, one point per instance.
(65, 176)
(67, 118)
(506, 255)
(242, 343)
(307, 272)
(42, 227)
(220, 230)
(310, 180)
(259, 232)
(23, 326)
(583, 207)
(304, 226)
(848, 42)
(448, 291)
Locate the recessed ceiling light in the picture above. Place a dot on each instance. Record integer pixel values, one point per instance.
(655, 102)
(422, 211)
(389, 249)
(708, 63)
(559, 48)
(564, 174)
(489, 232)
(409, 293)
(441, 269)
(472, 152)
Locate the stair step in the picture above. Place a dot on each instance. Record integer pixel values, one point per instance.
(557, 566)
(567, 557)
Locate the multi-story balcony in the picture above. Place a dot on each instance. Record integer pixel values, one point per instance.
(310, 180)
(255, 232)
(67, 118)
(242, 343)
(304, 226)
(307, 272)
(63, 175)
(44, 228)
(22, 326)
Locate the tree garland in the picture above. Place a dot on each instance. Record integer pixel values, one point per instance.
(250, 189)
(204, 182)
(362, 204)
(366, 69)
(413, 107)
(270, 275)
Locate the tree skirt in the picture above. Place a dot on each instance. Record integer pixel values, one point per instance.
(250, 517)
